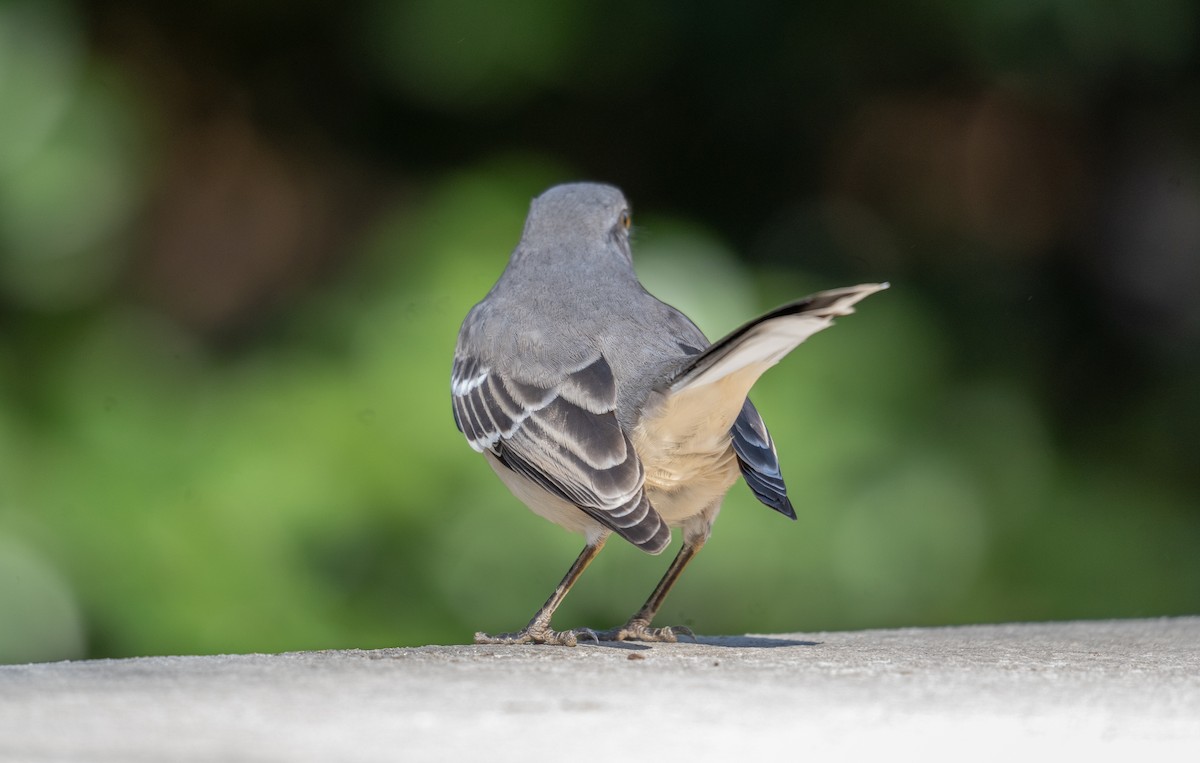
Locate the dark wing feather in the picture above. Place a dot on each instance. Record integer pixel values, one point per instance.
(760, 463)
(564, 436)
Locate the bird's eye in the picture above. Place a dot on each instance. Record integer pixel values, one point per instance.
(626, 221)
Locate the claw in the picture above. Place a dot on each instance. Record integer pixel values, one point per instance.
(683, 630)
(538, 635)
(637, 630)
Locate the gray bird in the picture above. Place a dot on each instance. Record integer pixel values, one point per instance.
(607, 411)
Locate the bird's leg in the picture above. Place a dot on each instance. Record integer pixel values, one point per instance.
(638, 628)
(538, 631)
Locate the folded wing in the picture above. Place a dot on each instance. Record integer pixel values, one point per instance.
(563, 435)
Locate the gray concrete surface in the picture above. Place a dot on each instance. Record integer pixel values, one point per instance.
(1126, 690)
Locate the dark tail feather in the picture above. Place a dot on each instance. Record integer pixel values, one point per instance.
(759, 462)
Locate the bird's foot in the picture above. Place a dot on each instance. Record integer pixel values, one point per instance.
(538, 634)
(640, 630)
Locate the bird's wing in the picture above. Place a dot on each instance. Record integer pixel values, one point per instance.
(703, 399)
(702, 407)
(759, 462)
(764, 341)
(563, 435)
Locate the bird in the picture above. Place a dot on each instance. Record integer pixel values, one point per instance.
(606, 410)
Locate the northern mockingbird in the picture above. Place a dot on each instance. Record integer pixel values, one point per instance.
(607, 411)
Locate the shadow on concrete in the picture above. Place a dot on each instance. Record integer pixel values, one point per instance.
(740, 642)
(752, 642)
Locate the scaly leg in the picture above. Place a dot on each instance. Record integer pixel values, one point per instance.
(638, 628)
(538, 631)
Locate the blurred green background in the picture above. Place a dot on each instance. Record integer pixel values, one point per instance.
(237, 240)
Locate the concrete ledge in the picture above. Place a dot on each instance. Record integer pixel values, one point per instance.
(1120, 688)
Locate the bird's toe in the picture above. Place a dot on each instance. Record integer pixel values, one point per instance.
(637, 630)
(538, 635)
